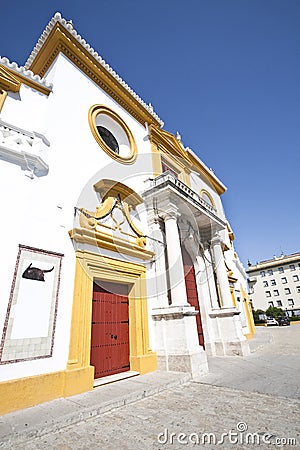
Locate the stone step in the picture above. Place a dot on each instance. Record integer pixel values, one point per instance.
(22, 426)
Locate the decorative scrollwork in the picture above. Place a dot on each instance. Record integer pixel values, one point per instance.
(90, 219)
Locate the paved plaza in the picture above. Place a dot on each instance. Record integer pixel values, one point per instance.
(250, 402)
(272, 368)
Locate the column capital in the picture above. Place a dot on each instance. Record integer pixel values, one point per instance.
(152, 218)
(216, 239)
(170, 211)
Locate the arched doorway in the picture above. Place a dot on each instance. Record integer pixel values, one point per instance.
(191, 291)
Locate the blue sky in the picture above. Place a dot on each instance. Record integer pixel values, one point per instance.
(225, 73)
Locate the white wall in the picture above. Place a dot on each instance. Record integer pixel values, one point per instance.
(40, 212)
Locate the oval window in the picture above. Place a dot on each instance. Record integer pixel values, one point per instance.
(112, 134)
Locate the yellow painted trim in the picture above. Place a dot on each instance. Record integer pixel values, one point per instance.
(30, 391)
(156, 160)
(114, 194)
(3, 95)
(11, 81)
(230, 232)
(171, 154)
(204, 191)
(61, 40)
(90, 266)
(88, 219)
(231, 280)
(112, 188)
(167, 144)
(233, 296)
(248, 312)
(187, 177)
(249, 336)
(94, 111)
(8, 81)
(110, 242)
(25, 392)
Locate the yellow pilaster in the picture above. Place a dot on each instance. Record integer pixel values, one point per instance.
(3, 95)
(233, 296)
(248, 313)
(79, 374)
(156, 160)
(142, 359)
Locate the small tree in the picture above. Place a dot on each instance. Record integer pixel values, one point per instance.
(274, 312)
(256, 314)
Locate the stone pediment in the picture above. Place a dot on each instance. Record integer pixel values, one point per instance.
(169, 144)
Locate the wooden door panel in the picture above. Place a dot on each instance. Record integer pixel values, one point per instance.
(110, 329)
(192, 293)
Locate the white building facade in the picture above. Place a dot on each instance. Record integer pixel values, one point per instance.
(276, 283)
(114, 239)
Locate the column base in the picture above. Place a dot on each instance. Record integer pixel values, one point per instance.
(236, 348)
(178, 347)
(231, 340)
(215, 348)
(193, 363)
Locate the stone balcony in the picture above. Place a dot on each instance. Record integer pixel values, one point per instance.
(24, 148)
(167, 184)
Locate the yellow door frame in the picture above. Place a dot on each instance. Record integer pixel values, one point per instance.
(89, 267)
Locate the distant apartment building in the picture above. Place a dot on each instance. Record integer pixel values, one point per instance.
(276, 282)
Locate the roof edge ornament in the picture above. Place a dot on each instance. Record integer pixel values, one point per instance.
(68, 25)
(25, 72)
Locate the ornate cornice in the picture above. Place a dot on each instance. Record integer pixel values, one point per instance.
(60, 36)
(12, 76)
(109, 242)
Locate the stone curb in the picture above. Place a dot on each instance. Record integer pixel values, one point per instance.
(22, 426)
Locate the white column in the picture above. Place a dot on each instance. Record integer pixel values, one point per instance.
(157, 282)
(221, 272)
(175, 263)
(211, 279)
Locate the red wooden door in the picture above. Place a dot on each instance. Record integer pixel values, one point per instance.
(110, 329)
(191, 291)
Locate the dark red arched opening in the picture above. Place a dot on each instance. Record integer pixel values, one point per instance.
(191, 291)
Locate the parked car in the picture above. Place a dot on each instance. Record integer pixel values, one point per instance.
(283, 320)
(271, 321)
